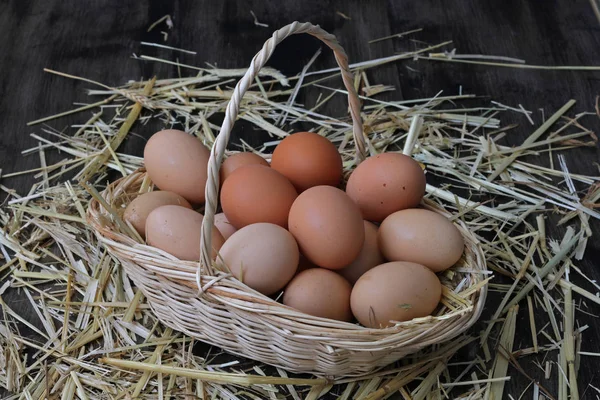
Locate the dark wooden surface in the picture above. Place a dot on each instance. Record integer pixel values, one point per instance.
(96, 39)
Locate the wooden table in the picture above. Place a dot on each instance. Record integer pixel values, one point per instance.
(97, 40)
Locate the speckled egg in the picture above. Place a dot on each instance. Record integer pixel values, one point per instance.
(386, 183)
(138, 210)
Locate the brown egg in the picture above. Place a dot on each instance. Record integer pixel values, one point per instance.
(176, 230)
(308, 159)
(255, 193)
(224, 226)
(395, 291)
(177, 162)
(421, 236)
(370, 256)
(320, 292)
(137, 211)
(263, 256)
(238, 160)
(386, 183)
(327, 226)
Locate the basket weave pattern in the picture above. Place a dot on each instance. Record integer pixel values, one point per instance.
(214, 307)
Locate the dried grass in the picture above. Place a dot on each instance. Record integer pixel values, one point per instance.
(94, 335)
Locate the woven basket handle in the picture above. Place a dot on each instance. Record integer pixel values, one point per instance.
(218, 150)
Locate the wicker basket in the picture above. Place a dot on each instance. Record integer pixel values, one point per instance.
(216, 308)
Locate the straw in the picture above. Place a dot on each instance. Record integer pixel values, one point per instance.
(86, 310)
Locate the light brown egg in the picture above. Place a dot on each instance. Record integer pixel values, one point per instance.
(308, 159)
(137, 211)
(395, 291)
(327, 226)
(176, 230)
(263, 256)
(421, 236)
(238, 160)
(386, 183)
(321, 293)
(224, 226)
(255, 193)
(177, 162)
(370, 256)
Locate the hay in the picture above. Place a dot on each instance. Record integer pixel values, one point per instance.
(88, 312)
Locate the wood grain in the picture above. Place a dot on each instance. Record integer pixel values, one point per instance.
(97, 39)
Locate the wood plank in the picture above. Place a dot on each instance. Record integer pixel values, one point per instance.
(97, 40)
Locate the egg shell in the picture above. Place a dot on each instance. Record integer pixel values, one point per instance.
(308, 159)
(238, 160)
(263, 256)
(327, 226)
(176, 230)
(224, 226)
(177, 162)
(370, 256)
(386, 183)
(421, 236)
(321, 293)
(138, 210)
(255, 193)
(395, 291)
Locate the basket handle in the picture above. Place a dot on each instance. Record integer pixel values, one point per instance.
(218, 150)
